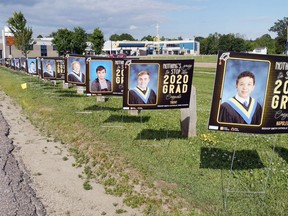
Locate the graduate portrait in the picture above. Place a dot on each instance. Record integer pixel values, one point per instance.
(48, 68)
(23, 63)
(76, 67)
(32, 66)
(243, 92)
(17, 63)
(101, 76)
(143, 84)
(12, 63)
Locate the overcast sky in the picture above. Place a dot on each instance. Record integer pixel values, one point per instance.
(185, 18)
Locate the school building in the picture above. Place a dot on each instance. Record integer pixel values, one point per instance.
(40, 47)
(137, 48)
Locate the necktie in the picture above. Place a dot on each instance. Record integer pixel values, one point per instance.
(245, 103)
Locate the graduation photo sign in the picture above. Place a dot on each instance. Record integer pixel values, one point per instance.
(48, 68)
(75, 70)
(250, 94)
(60, 68)
(32, 66)
(157, 84)
(23, 64)
(39, 66)
(106, 76)
(15, 64)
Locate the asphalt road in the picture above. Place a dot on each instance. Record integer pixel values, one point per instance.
(17, 198)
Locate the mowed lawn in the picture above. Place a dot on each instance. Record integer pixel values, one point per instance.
(192, 176)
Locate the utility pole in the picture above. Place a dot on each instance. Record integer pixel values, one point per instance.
(4, 44)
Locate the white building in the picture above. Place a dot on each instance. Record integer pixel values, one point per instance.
(177, 47)
(260, 50)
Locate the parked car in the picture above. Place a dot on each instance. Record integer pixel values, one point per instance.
(112, 55)
(121, 55)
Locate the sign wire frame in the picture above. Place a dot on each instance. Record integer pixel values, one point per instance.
(227, 190)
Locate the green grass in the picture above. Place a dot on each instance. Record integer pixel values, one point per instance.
(198, 58)
(204, 70)
(125, 152)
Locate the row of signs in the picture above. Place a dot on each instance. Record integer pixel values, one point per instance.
(151, 84)
(250, 90)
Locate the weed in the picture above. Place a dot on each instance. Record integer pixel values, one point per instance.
(87, 186)
(134, 201)
(120, 211)
(65, 158)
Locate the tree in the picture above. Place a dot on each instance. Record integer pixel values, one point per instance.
(198, 38)
(226, 42)
(52, 35)
(162, 38)
(126, 36)
(203, 45)
(211, 44)
(97, 40)
(238, 45)
(22, 34)
(148, 38)
(79, 39)
(281, 28)
(250, 45)
(230, 42)
(280, 43)
(122, 37)
(114, 37)
(63, 41)
(266, 41)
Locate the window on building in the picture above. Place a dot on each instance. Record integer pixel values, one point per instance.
(43, 50)
(30, 47)
(172, 45)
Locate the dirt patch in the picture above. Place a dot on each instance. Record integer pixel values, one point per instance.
(49, 165)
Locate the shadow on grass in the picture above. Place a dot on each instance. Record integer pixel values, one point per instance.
(50, 87)
(150, 134)
(127, 119)
(99, 108)
(65, 93)
(71, 95)
(215, 158)
(37, 83)
(282, 152)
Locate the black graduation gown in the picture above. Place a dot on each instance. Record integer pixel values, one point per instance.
(235, 112)
(137, 96)
(74, 78)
